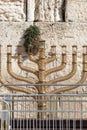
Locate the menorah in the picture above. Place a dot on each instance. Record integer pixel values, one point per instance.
(42, 73)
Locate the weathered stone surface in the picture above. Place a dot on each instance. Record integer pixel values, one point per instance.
(48, 11)
(30, 10)
(43, 10)
(12, 11)
(76, 10)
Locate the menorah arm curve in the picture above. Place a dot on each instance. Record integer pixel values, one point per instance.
(25, 68)
(31, 58)
(15, 88)
(14, 75)
(68, 76)
(68, 88)
(62, 66)
(18, 77)
(52, 58)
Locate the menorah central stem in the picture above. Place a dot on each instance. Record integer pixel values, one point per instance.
(42, 70)
(42, 79)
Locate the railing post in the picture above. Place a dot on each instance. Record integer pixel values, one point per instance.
(5, 118)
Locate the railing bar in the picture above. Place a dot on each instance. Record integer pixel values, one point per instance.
(21, 116)
(30, 85)
(56, 112)
(42, 113)
(23, 112)
(47, 100)
(60, 122)
(36, 115)
(17, 112)
(40, 120)
(69, 112)
(53, 121)
(30, 123)
(33, 116)
(73, 117)
(48, 113)
(33, 121)
(81, 115)
(10, 115)
(67, 121)
(75, 111)
(34, 95)
(50, 107)
(26, 122)
(62, 114)
(46, 123)
(26, 116)
(29, 117)
(74, 123)
(36, 121)
(42, 124)
(13, 113)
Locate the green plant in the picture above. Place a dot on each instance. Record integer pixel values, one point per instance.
(31, 38)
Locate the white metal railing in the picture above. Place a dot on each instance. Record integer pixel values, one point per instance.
(62, 111)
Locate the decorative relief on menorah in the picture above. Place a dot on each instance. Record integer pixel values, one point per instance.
(42, 73)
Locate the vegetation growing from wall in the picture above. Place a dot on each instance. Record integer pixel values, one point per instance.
(31, 38)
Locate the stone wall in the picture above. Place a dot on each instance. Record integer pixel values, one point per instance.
(76, 10)
(43, 10)
(68, 34)
(30, 10)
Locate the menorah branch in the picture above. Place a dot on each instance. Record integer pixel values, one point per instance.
(68, 88)
(62, 66)
(52, 58)
(83, 78)
(25, 68)
(15, 88)
(68, 76)
(14, 75)
(84, 62)
(32, 58)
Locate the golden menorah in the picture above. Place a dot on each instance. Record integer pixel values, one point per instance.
(42, 73)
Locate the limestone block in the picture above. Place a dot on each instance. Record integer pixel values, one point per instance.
(76, 11)
(48, 11)
(30, 10)
(12, 11)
